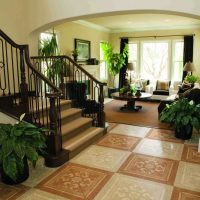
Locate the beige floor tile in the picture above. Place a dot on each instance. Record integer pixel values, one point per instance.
(125, 187)
(101, 158)
(188, 176)
(35, 194)
(160, 149)
(130, 130)
(194, 140)
(38, 173)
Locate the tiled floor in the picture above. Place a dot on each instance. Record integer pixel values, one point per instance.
(129, 163)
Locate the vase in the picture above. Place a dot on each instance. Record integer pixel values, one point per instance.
(184, 132)
(22, 175)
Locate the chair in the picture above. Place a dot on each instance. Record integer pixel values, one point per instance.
(162, 87)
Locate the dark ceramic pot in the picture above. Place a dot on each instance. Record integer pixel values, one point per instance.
(184, 132)
(21, 176)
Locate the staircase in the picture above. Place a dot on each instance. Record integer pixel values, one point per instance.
(74, 123)
(77, 131)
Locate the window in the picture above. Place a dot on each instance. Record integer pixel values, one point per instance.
(103, 67)
(160, 59)
(177, 69)
(154, 60)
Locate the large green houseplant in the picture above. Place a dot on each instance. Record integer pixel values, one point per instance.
(183, 115)
(18, 143)
(113, 60)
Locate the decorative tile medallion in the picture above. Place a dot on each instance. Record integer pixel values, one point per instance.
(11, 192)
(182, 194)
(149, 167)
(164, 135)
(130, 130)
(191, 154)
(131, 188)
(188, 176)
(159, 148)
(75, 182)
(119, 141)
(102, 158)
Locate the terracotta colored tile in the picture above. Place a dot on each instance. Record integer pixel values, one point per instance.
(149, 167)
(191, 154)
(164, 135)
(182, 194)
(75, 182)
(11, 192)
(119, 142)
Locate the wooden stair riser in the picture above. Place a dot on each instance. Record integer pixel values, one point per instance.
(71, 117)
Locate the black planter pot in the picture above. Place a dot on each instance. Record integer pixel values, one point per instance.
(184, 132)
(21, 176)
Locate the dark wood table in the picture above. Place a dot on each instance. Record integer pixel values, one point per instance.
(130, 100)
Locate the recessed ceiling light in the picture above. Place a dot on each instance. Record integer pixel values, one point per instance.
(166, 20)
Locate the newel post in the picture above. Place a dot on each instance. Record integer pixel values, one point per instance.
(101, 113)
(23, 84)
(56, 155)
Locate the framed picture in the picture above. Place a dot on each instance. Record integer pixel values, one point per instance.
(83, 47)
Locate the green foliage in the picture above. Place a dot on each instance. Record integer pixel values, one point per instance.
(182, 112)
(75, 52)
(191, 79)
(18, 141)
(114, 61)
(48, 47)
(128, 89)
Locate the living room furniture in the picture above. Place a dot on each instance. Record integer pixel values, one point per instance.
(162, 87)
(130, 100)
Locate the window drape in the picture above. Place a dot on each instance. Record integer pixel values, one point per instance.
(187, 51)
(122, 73)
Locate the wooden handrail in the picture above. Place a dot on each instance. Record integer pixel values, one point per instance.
(74, 63)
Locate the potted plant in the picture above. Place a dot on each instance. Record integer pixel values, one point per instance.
(191, 79)
(113, 60)
(18, 143)
(75, 54)
(183, 115)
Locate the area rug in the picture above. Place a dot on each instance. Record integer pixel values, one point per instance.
(147, 116)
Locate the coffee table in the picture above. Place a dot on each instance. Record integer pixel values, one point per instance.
(130, 100)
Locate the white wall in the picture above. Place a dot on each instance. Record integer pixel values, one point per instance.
(12, 20)
(45, 12)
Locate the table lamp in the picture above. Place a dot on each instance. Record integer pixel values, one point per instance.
(130, 67)
(188, 67)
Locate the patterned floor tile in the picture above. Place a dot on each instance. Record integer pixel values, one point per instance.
(191, 154)
(111, 126)
(101, 158)
(119, 141)
(188, 176)
(130, 130)
(35, 194)
(164, 135)
(38, 173)
(149, 167)
(8, 192)
(182, 194)
(160, 149)
(75, 182)
(131, 188)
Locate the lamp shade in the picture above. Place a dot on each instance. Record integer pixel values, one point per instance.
(130, 66)
(188, 67)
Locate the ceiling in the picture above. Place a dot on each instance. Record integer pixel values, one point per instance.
(140, 22)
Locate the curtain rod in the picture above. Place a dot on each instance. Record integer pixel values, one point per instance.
(155, 36)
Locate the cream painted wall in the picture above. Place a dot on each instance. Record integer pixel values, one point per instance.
(46, 12)
(115, 40)
(67, 32)
(12, 20)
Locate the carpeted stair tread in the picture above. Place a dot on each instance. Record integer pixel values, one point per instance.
(69, 112)
(75, 125)
(82, 138)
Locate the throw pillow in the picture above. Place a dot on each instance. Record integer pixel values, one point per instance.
(162, 85)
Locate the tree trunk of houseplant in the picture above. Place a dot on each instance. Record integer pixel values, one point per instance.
(23, 174)
(184, 132)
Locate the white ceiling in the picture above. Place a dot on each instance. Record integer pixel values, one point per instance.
(140, 22)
